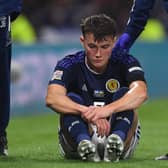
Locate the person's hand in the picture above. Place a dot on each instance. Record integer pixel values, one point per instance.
(124, 42)
(103, 127)
(122, 46)
(95, 112)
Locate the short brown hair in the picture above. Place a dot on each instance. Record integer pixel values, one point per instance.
(100, 25)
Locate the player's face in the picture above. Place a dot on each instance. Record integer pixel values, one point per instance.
(97, 52)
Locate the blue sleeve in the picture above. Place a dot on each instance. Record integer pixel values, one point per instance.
(139, 15)
(10, 7)
(62, 74)
(166, 5)
(135, 73)
(134, 70)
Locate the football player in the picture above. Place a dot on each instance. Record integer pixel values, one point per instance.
(96, 96)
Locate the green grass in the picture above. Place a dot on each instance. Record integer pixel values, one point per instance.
(33, 141)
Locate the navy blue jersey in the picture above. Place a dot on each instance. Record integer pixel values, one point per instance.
(73, 73)
(10, 7)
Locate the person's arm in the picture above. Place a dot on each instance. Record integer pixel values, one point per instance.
(166, 5)
(58, 101)
(139, 15)
(136, 95)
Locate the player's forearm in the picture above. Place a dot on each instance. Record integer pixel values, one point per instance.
(131, 100)
(63, 104)
(126, 103)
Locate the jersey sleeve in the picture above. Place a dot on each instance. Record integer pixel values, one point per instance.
(65, 72)
(139, 15)
(134, 70)
(62, 76)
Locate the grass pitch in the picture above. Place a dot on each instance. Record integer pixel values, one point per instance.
(33, 141)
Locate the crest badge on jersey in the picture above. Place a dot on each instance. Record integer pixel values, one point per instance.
(57, 75)
(112, 85)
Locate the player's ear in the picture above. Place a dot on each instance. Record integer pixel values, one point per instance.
(115, 39)
(82, 40)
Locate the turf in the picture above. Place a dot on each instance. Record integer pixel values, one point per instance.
(33, 141)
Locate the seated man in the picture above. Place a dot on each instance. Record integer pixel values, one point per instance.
(96, 96)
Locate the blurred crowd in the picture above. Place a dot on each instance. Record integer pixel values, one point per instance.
(47, 18)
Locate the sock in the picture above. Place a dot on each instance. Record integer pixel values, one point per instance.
(121, 134)
(122, 123)
(77, 128)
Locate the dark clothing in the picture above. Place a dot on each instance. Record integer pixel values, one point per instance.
(73, 73)
(139, 15)
(9, 9)
(87, 87)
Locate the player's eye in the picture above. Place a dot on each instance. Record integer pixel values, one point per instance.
(92, 46)
(105, 46)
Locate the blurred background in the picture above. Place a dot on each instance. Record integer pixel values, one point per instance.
(46, 31)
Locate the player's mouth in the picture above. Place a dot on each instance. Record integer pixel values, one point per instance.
(98, 61)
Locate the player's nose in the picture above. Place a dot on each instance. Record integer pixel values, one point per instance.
(98, 53)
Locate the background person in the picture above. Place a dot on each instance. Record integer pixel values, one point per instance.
(139, 16)
(9, 10)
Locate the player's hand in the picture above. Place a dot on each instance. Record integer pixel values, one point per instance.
(103, 127)
(95, 112)
(122, 46)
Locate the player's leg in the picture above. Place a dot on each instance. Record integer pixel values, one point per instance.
(5, 60)
(121, 143)
(74, 136)
(132, 138)
(123, 126)
(121, 122)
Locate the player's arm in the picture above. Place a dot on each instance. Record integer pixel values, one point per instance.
(136, 95)
(58, 101)
(139, 15)
(137, 92)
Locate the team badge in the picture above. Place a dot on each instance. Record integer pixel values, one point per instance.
(112, 85)
(57, 75)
